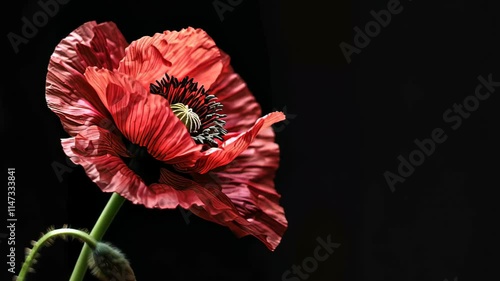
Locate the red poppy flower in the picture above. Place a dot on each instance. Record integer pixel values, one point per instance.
(166, 122)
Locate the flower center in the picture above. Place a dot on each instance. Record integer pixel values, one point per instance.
(195, 107)
(187, 116)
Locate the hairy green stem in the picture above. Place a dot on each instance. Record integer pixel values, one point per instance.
(83, 236)
(100, 227)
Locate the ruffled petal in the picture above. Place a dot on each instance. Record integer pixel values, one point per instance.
(109, 44)
(208, 202)
(74, 101)
(174, 190)
(233, 145)
(92, 44)
(98, 151)
(238, 101)
(144, 62)
(191, 52)
(67, 92)
(248, 181)
(144, 119)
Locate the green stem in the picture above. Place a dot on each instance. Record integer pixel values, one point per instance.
(100, 227)
(89, 240)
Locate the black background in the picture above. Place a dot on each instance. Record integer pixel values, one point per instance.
(348, 123)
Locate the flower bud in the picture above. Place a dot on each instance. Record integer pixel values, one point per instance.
(108, 263)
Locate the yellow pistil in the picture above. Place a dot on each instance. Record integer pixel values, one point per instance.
(187, 116)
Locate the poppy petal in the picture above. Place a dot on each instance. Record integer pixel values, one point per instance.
(92, 44)
(77, 109)
(144, 119)
(233, 145)
(67, 92)
(144, 62)
(208, 202)
(98, 151)
(249, 182)
(174, 190)
(233, 93)
(192, 52)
